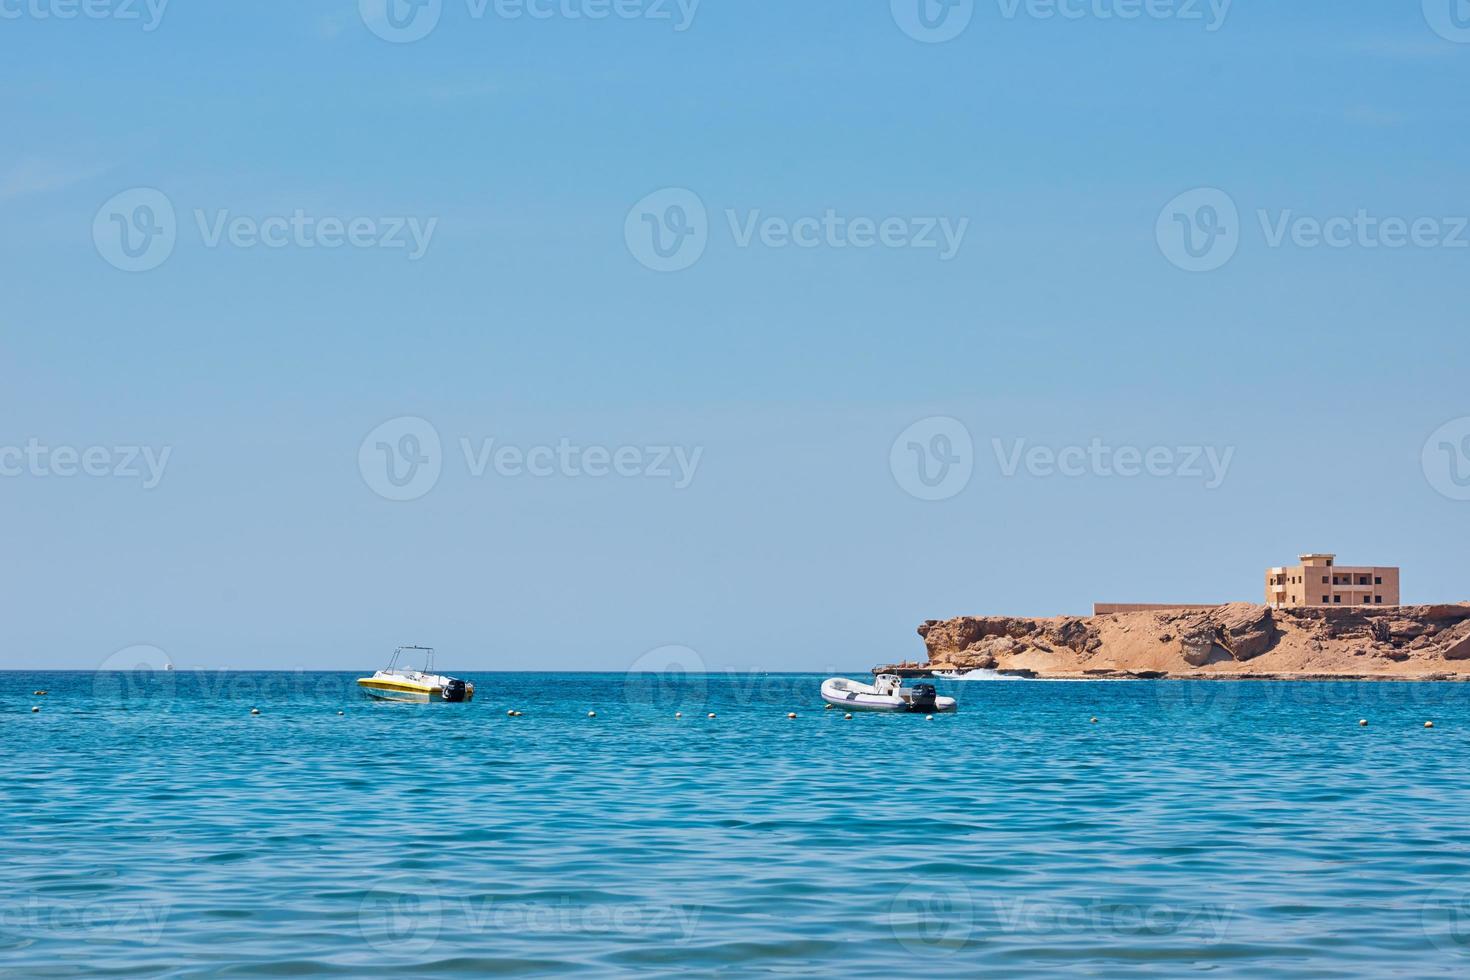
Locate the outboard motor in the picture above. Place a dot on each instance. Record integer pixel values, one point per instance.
(453, 691)
(923, 698)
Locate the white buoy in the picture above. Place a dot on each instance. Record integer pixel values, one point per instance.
(791, 714)
(1429, 724)
(1094, 721)
(1362, 722)
(711, 714)
(35, 708)
(928, 717)
(341, 712)
(678, 714)
(255, 711)
(591, 714)
(848, 717)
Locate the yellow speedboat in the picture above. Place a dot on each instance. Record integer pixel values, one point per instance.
(395, 683)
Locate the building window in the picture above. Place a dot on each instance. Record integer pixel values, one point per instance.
(1337, 599)
(1325, 600)
(1362, 580)
(1367, 601)
(1324, 580)
(1378, 599)
(1378, 580)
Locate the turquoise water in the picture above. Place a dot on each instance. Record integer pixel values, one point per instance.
(154, 826)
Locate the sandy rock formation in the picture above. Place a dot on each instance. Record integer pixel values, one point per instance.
(1456, 642)
(1239, 638)
(1197, 646)
(1246, 631)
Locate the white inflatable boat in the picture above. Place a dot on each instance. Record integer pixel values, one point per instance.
(886, 693)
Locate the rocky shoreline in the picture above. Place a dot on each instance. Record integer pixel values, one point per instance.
(1238, 641)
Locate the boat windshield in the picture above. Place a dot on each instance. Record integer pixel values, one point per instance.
(398, 655)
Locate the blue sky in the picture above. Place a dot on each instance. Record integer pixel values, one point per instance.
(1063, 319)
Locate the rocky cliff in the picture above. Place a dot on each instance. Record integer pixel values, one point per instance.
(1235, 640)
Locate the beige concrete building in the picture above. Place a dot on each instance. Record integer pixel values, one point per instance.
(1320, 581)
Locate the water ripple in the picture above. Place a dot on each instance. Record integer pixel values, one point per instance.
(155, 827)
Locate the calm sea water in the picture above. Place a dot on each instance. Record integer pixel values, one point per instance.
(153, 826)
